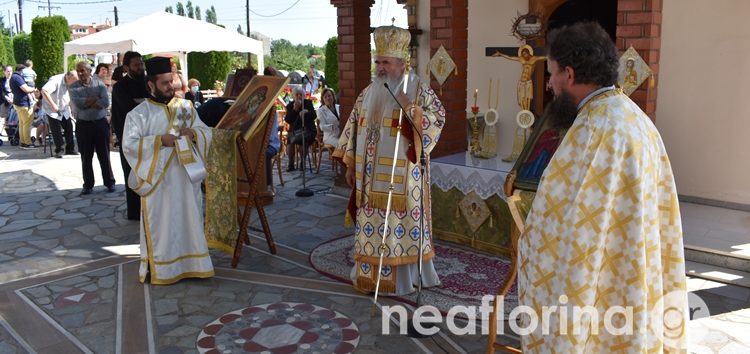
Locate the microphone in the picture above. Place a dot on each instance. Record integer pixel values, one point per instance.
(411, 121)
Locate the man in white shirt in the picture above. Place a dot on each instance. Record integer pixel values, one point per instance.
(311, 82)
(56, 106)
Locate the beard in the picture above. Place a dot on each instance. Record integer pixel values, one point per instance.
(378, 101)
(561, 112)
(163, 97)
(138, 77)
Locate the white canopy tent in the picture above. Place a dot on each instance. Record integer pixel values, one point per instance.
(166, 33)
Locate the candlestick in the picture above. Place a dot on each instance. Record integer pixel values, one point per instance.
(497, 100)
(489, 96)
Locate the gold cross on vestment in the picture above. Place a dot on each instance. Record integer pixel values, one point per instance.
(392, 122)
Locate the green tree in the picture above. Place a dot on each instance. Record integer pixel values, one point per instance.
(198, 13)
(3, 51)
(180, 10)
(189, 9)
(332, 63)
(209, 67)
(8, 41)
(7, 46)
(22, 47)
(211, 15)
(169, 9)
(74, 59)
(286, 56)
(318, 62)
(48, 35)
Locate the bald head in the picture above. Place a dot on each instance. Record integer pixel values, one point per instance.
(70, 77)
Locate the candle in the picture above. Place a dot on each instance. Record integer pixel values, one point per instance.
(497, 100)
(489, 96)
(476, 92)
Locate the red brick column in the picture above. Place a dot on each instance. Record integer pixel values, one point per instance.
(449, 26)
(639, 25)
(354, 50)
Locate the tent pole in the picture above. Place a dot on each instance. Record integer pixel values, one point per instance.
(184, 65)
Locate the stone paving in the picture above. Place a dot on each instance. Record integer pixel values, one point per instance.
(45, 229)
(84, 305)
(9, 344)
(51, 233)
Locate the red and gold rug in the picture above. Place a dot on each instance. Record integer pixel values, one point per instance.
(465, 275)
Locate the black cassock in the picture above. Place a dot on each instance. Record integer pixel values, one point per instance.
(124, 94)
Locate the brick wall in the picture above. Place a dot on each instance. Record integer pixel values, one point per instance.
(639, 25)
(354, 56)
(354, 50)
(449, 26)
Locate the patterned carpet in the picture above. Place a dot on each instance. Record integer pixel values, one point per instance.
(465, 275)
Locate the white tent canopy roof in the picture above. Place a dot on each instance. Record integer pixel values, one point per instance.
(163, 32)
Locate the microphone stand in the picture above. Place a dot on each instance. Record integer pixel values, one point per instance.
(304, 192)
(410, 329)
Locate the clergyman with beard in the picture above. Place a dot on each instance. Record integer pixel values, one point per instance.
(560, 112)
(173, 244)
(367, 146)
(604, 231)
(127, 93)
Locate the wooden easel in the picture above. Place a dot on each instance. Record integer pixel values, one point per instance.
(247, 200)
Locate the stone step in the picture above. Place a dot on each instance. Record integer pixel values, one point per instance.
(717, 258)
(718, 266)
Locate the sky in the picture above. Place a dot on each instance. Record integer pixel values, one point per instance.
(303, 22)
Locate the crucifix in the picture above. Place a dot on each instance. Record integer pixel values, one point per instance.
(524, 90)
(525, 56)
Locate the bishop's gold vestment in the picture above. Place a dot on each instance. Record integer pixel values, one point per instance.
(367, 143)
(604, 231)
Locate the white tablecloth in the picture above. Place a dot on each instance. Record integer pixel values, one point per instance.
(466, 173)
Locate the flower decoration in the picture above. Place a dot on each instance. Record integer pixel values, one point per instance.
(219, 85)
(278, 104)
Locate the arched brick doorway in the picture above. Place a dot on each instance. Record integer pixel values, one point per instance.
(637, 23)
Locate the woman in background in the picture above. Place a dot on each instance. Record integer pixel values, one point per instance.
(329, 118)
(194, 93)
(178, 82)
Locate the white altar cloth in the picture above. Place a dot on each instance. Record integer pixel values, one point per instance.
(467, 173)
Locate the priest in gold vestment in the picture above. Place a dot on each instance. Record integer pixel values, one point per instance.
(604, 229)
(367, 146)
(173, 244)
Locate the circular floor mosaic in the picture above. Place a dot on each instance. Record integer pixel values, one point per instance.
(282, 327)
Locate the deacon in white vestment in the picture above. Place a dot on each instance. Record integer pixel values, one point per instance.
(165, 142)
(601, 260)
(367, 146)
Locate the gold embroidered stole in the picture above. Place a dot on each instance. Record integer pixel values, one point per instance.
(374, 163)
(221, 191)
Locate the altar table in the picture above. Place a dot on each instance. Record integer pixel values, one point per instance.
(468, 203)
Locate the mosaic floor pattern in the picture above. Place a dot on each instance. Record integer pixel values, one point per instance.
(280, 328)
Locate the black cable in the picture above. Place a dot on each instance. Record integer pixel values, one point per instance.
(73, 3)
(274, 15)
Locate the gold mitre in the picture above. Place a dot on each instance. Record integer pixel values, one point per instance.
(392, 41)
